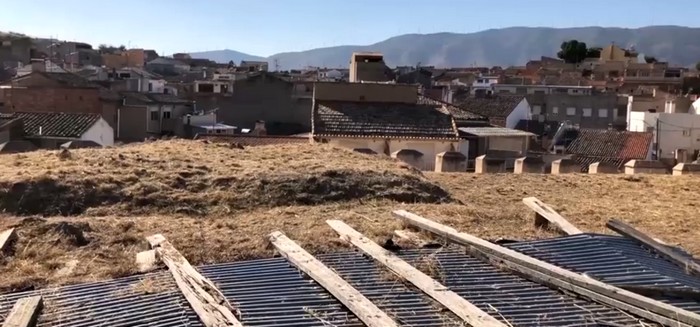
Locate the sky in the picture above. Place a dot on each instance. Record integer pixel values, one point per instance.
(266, 27)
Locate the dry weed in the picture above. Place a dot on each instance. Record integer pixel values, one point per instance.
(491, 207)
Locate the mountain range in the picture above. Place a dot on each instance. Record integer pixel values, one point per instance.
(495, 47)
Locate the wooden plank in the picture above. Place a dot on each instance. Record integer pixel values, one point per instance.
(146, 261)
(7, 237)
(550, 270)
(362, 307)
(688, 294)
(451, 300)
(24, 313)
(559, 284)
(546, 215)
(205, 298)
(685, 262)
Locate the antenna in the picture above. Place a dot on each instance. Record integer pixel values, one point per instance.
(277, 65)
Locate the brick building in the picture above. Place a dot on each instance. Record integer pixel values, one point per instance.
(57, 92)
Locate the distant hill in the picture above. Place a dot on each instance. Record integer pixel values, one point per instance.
(496, 47)
(224, 56)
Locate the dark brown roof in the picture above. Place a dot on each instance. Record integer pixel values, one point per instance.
(457, 113)
(69, 125)
(17, 146)
(68, 79)
(136, 98)
(251, 140)
(617, 147)
(497, 106)
(366, 119)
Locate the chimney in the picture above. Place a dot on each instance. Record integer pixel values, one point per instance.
(259, 129)
(38, 65)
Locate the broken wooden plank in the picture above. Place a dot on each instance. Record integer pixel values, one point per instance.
(551, 270)
(24, 313)
(146, 261)
(7, 237)
(558, 284)
(451, 300)
(206, 300)
(362, 307)
(685, 262)
(545, 215)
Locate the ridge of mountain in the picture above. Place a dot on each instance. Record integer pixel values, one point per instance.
(679, 45)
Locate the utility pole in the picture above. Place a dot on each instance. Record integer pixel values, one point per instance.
(277, 65)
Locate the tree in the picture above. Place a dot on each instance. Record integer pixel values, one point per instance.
(573, 51)
(593, 52)
(122, 48)
(650, 59)
(697, 66)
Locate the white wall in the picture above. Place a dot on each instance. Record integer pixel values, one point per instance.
(521, 112)
(672, 130)
(157, 86)
(430, 149)
(695, 107)
(100, 133)
(512, 143)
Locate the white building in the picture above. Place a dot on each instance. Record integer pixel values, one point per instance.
(484, 84)
(672, 131)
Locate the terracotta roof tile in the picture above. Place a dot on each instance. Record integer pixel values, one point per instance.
(459, 114)
(499, 106)
(70, 125)
(365, 119)
(612, 146)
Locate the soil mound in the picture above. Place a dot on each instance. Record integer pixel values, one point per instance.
(195, 178)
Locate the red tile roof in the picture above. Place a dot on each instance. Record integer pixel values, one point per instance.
(618, 147)
(396, 120)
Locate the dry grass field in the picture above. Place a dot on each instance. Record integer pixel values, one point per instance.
(217, 203)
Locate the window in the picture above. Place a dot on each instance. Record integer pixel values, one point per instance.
(150, 87)
(570, 111)
(555, 110)
(219, 131)
(166, 114)
(205, 88)
(587, 112)
(686, 132)
(536, 110)
(154, 115)
(603, 113)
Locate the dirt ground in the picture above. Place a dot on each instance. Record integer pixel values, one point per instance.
(88, 247)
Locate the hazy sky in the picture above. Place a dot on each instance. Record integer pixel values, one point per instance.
(265, 27)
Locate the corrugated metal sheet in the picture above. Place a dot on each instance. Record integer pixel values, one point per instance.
(270, 292)
(147, 300)
(512, 298)
(407, 305)
(615, 260)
